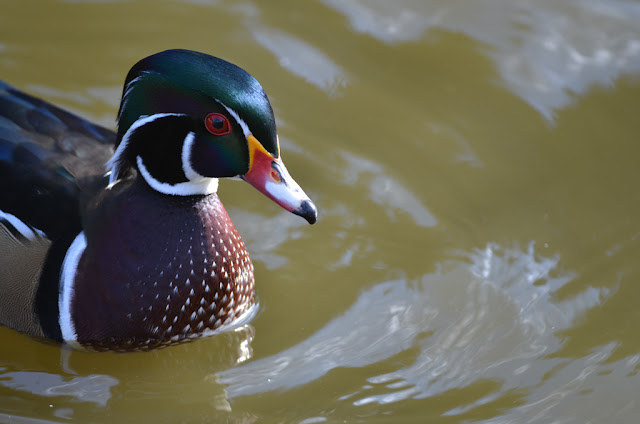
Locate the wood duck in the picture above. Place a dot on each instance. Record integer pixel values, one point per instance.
(146, 255)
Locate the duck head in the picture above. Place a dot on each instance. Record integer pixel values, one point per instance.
(187, 119)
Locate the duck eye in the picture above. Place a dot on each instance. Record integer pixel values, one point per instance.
(217, 124)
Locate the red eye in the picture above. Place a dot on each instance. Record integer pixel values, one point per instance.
(217, 124)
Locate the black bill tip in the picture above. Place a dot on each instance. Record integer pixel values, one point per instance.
(308, 211)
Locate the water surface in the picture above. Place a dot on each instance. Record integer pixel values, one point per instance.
(475, 167)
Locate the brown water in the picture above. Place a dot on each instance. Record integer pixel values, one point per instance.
(475, 165)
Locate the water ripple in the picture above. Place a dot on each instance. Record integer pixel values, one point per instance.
(302, 59)
(487, 316)
(93, 388)
(546, 51)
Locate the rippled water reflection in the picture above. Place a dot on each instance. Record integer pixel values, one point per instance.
(93, 388)
(489, 318)
(545, 52)
(475, 169)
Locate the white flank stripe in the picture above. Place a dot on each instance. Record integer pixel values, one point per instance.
(27, 231)
(113, 164)
(67, 280)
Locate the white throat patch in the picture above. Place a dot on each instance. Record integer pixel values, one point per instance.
(197, 184)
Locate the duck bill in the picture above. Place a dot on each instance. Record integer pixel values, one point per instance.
(269, 176)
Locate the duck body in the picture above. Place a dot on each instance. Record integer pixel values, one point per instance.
(146, 256)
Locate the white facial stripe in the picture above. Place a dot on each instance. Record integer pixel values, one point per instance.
(203, 186)
(113, 164)
(26, 230)
(187, 168)
(243, 125)
(67, 280)
(132, 83)
(128, 88)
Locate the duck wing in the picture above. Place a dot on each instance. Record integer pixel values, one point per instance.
(50, 160)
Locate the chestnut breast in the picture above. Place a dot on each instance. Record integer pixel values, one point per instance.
(155, 274)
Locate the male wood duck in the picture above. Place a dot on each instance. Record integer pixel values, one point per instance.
(146, 255)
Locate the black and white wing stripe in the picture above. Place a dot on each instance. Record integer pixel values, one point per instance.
(23, 251)
(21, 231)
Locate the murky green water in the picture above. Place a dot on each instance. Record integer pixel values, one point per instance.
(476, 169)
